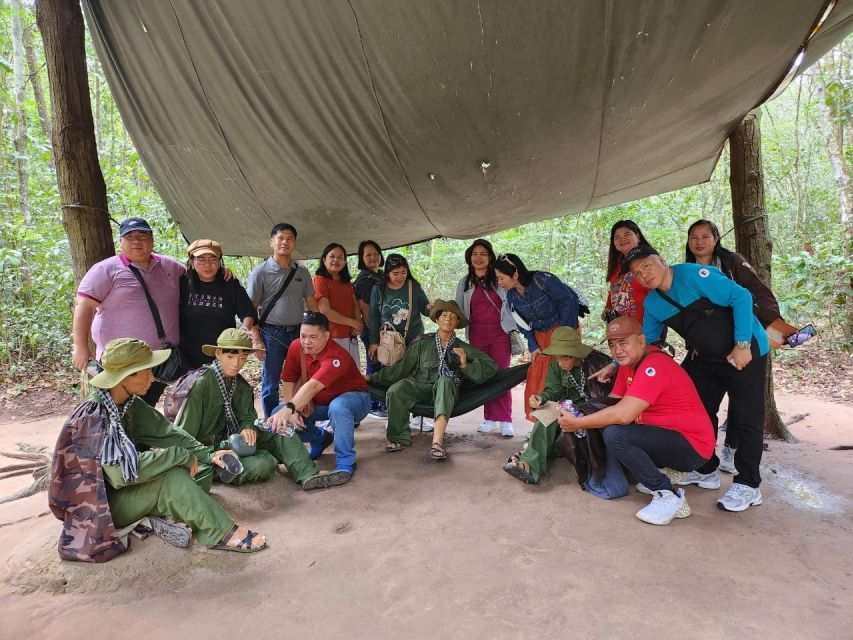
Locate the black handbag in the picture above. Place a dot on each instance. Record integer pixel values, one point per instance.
(171, 369)
(707, 328)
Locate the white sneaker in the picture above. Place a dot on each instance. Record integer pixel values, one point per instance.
(487, 426)
(506, 429)
(727, 460)
(665, 506)
(704, 480)
(673, 475)
(740, 498)
(418, 423)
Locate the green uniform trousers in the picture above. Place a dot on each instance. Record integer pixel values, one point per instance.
(175, 495)
(406, 393)
(540, 448)
(272, 450)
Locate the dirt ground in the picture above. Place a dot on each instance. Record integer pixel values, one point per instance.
(410, 549)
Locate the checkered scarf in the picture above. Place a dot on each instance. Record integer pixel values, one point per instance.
(579, 385)
(117, 448)
(227, 391)
(444, 369)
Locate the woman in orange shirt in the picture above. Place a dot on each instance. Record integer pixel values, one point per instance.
(336, 298)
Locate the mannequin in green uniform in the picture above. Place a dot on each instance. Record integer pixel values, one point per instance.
(204, 416)
(160, 480)
(564, 380)
(428, 373)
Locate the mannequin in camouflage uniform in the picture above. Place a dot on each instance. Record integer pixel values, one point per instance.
(101, 481)
(205, 416)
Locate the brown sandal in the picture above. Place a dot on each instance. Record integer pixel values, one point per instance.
(517, 468)
(437, 452)
(246, 545)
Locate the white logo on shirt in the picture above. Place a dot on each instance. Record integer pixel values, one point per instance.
(704, 273)
(650, 371)
(336, 363)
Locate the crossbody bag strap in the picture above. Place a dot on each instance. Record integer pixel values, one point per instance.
(669, 300)
(277, 295)
(161, 333)
(489, 298)
(409, 317)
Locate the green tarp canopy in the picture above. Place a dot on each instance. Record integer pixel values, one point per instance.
(403, 121)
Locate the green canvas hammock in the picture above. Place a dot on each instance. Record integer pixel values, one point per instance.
(471, 395)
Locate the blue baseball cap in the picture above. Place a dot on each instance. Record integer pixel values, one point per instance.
(133, 224)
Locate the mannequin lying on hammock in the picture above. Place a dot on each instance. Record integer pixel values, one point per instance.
(432, 369)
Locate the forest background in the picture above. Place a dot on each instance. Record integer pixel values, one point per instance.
(807, 157)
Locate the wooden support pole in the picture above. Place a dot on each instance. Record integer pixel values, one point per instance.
(82, 192)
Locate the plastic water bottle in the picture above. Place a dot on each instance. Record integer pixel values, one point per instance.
(569, 407)
(266, 426)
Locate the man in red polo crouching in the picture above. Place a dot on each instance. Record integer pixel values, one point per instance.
(333, 389)
(659, 421)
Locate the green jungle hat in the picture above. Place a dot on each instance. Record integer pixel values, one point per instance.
(566, 341)
(230, 339)
(448, 305)
(123, 357)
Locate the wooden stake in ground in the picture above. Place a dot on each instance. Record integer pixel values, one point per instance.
(752, 238)
(82, 191)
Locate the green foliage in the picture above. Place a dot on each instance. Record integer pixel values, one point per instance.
(802, 205)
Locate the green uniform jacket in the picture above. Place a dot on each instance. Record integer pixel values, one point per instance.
(421, 363)
(555, 388)
(174, 447)
(203, 413)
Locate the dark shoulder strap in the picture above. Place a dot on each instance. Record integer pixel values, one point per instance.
(277, 295)
(154, 312)
(669, 300)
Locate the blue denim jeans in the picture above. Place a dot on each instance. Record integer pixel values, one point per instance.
(343, 412)
(372, 367)
(276, 342)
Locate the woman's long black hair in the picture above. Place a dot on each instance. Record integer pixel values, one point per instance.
(509, 263)
(323, 271)
(472, 279)
(362, 246)
(719, 250)
(392, 262)
(614, 258)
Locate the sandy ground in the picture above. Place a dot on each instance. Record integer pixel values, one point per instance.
(411, 549)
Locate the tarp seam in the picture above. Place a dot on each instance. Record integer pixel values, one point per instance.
(384, 122)
(213, 114)
(604, 68)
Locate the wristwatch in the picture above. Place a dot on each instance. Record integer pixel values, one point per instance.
(291, 406)
(743, 344)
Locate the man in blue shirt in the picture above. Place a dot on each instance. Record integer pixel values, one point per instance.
(727, 353)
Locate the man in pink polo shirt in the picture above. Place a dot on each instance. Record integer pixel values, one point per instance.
(112, 304)
(334, 390)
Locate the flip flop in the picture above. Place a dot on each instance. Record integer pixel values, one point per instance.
(437, 452)
(518, 469)
(326, 479)
(178, 535)
(243, 546)
(392, 447)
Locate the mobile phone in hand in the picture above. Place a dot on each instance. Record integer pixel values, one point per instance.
(796, 339)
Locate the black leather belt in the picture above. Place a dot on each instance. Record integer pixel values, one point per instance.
(289, 327)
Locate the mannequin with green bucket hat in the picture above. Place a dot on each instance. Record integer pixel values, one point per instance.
(564, 379)
(220, 409)
(101, 444)
(433, 369)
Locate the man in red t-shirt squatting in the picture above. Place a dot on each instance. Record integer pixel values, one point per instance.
(335, 390)
(659, 421)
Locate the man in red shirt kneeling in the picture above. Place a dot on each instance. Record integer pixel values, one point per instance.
(659, 421)
(332, 388)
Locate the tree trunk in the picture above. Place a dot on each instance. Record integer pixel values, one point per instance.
(752, 238)
(82, 191)
(35, 81)
(19, 80)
